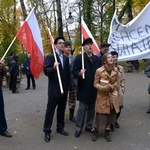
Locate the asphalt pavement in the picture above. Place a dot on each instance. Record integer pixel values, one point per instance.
(25, 117)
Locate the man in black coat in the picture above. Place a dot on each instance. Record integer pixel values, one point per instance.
(55, 97)
(86, 93)
(14, 72)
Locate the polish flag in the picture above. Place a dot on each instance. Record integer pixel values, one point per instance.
(30, 37)
(87, 34)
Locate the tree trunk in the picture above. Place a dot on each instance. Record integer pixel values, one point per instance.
(59, 15)
(23, 9)
(129, 11)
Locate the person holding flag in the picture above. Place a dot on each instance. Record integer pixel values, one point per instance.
(55, 97)
(3, 123)
(86, 93)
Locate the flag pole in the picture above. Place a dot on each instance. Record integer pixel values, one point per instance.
(8, 48)
(58, 73)
(83, 75)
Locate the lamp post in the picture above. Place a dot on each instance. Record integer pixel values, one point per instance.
(70, 19)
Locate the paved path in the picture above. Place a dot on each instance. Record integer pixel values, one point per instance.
(25, 116)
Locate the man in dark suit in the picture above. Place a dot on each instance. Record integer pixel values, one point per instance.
(55, 97)
(86, 93)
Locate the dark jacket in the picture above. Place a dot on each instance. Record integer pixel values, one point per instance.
(3, 72)
(86, 92)
(14, 69)
(27, 67)
(51, 72)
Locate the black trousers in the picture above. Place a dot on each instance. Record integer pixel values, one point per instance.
(13, 83)
(60, 103)
(28, 81)
(3, 123)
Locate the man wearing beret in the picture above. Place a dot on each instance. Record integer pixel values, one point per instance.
(104, 48)
(3, 123)
(86, 93)
(72, 95)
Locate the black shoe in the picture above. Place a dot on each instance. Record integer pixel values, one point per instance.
(17, 92)
(6, 134)
(77, 134)
(112, 128)
(47, 137)
(62, 131)
(148, 112)
(72, 119)
(88, 130)
(33, 88)
(27, 88)
(117, 125)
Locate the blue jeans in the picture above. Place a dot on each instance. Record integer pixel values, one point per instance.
(85, 110)
(3, 124)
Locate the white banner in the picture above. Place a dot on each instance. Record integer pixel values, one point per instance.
(131, 41)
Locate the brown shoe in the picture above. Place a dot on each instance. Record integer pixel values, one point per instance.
(6, 134)
(107, 136)
(94, 135)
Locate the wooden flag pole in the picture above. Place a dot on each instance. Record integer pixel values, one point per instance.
(58, 73)
(83, 75)
(8, 48)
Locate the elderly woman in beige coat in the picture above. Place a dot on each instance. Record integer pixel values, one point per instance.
(107, 105)
(121, 87)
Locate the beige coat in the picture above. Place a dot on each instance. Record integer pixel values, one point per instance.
(121, 84)
(106, 100)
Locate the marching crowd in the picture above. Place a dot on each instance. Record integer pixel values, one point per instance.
(96, 81)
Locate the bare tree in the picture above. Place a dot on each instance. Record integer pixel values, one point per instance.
(59, 15)
(23, 9)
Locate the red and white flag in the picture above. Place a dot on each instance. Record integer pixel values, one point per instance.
(30, 37)
(87, 34)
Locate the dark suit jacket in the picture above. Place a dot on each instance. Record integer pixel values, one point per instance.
(14, 70)
(86, 92)
(51, 72)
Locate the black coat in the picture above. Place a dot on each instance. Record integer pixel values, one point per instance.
(86, 92)
(51, 72)
(14, 69)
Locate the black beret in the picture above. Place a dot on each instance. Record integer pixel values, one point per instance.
(67, 43)
(58, 38)
(86, 41)
(15, 57)
(104, 44)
